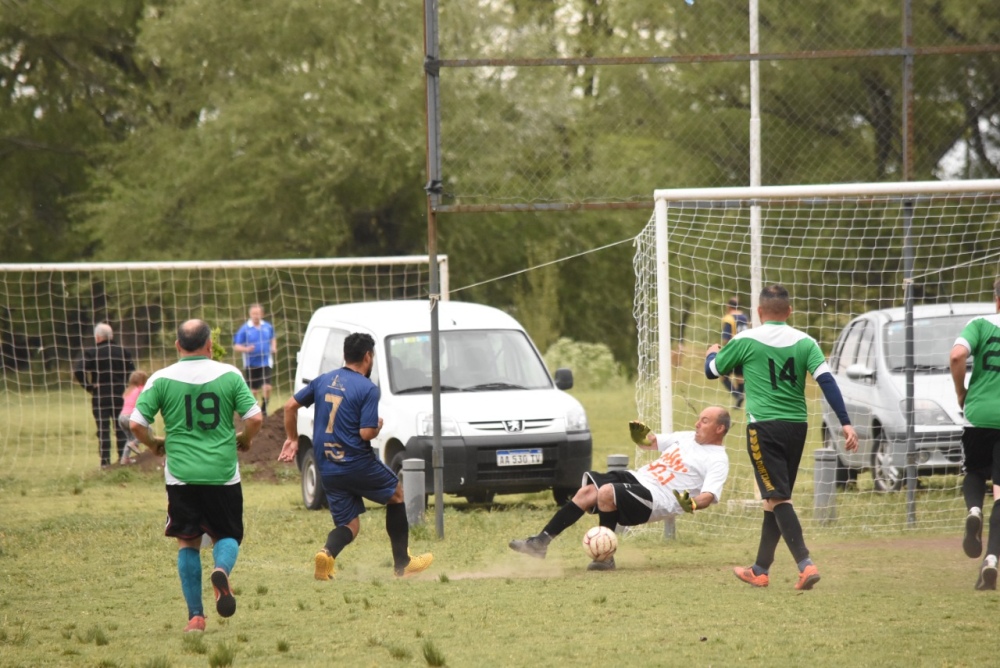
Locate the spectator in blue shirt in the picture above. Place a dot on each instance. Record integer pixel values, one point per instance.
(257, 342)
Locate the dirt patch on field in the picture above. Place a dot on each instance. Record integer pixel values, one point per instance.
(260, 463)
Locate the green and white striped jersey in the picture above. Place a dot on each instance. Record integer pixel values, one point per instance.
(775, 358)
(197, 397)
(981, 336)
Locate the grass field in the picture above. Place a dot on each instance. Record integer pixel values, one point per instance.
(87, 578)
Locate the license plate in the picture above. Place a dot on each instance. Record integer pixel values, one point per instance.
(519, 457)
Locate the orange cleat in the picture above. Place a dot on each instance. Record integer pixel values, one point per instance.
(747, 575)
(807, 578)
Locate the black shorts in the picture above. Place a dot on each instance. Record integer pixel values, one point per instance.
(633, 500)
(775, 449)
(213, 509)
(257, 376)
(981, 452)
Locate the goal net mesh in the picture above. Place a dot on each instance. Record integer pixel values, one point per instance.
(840, 257)
(48, 313)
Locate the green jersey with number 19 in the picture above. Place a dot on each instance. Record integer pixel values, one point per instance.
(197, 397)
(775, 358)
(981, 337)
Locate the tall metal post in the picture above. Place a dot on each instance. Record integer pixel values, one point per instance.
(432, 92)
(756, 251)
(907, 132)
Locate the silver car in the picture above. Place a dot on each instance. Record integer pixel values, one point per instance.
(868, 363)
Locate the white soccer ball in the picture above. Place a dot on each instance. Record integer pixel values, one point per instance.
(600, 543)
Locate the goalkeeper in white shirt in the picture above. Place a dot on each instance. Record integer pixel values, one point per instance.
(687, 476)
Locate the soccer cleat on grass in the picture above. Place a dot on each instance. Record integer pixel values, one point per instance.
(535, 546)
(807, 578)
(225, 602)
(987, 574)
(325, 569)
(972, 543)
(196, 623)
(747, 575)
(608, 565)
(417, 564)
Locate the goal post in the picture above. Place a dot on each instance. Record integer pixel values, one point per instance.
(48, 313)
(842, 250)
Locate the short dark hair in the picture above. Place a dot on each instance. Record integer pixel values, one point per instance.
(774, 299)
(996, 289)
(734, 302)
(192, 335)
(356, 346)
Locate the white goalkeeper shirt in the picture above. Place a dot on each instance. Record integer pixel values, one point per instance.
(683, 465)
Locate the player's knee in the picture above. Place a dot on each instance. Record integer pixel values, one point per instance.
(606, 498)
(585, 497)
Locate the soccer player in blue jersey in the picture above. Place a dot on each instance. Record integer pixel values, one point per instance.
(256, 340)
(775, 358)
(734, 322)
(346, 420)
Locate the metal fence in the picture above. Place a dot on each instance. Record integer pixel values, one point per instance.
(590, 104)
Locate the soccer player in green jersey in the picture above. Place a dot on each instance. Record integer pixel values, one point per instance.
(981, 438)
(775, 358)
(197, 398)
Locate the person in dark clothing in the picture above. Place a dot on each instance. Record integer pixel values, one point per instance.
(103, 371)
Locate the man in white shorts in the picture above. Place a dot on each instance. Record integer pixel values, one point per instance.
(688, 476)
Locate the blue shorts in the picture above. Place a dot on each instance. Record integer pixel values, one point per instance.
(346, 492)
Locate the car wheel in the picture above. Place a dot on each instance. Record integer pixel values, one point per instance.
(313, 496)
(480, 497)
(562, 495)
(887, 478)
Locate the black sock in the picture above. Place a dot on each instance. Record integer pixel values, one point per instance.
(993, 542)
(263, 407)
(398, 528)
(564, 517)
(791, 531)
(609, 519)
(338, 539)
(770, 536)
(973, 488)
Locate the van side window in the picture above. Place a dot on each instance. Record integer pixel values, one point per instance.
(333, 351)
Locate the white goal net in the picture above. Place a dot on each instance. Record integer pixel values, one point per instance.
(845, 253)
(48, 313)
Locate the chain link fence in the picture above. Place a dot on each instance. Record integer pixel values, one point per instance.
(556, 104)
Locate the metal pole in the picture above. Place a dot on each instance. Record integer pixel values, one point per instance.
(756, 252)
(432, 94)
(907, 118)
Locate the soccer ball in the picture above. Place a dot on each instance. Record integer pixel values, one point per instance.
(600, 543)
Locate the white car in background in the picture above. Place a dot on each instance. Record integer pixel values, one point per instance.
(868, 363)
(507, 426)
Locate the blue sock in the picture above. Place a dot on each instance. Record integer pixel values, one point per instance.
(758, 570)
(225, 552)
(805, 562)
(189, 568)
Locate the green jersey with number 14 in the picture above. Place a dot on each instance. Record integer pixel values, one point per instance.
(775, 358)
(982, 403)
(198, 397)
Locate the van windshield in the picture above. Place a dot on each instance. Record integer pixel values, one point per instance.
(471, 361)
(932, 342)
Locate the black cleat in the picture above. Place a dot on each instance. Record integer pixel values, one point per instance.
(225, 602)
(534, 546)
(608, 565)
(972, 543)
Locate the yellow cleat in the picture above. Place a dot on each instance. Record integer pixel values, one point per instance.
(417, 565)
(325, 569)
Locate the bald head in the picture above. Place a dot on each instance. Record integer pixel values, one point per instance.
(194, 337)
(713, 425)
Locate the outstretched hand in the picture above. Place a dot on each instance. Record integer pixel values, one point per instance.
(686, 501)
(639, 433)
(288, 450)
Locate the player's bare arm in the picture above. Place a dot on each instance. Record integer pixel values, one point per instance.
(142, 434)
(251, 427)
(957, 364)
(368, 433)
(291, 444)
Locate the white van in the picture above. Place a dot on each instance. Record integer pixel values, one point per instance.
(507, 427)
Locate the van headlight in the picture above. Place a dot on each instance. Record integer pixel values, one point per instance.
(576, 420)
(425, 425)
(927, 412)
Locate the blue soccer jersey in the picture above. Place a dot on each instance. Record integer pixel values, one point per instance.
(345, 403)
(260, 338)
